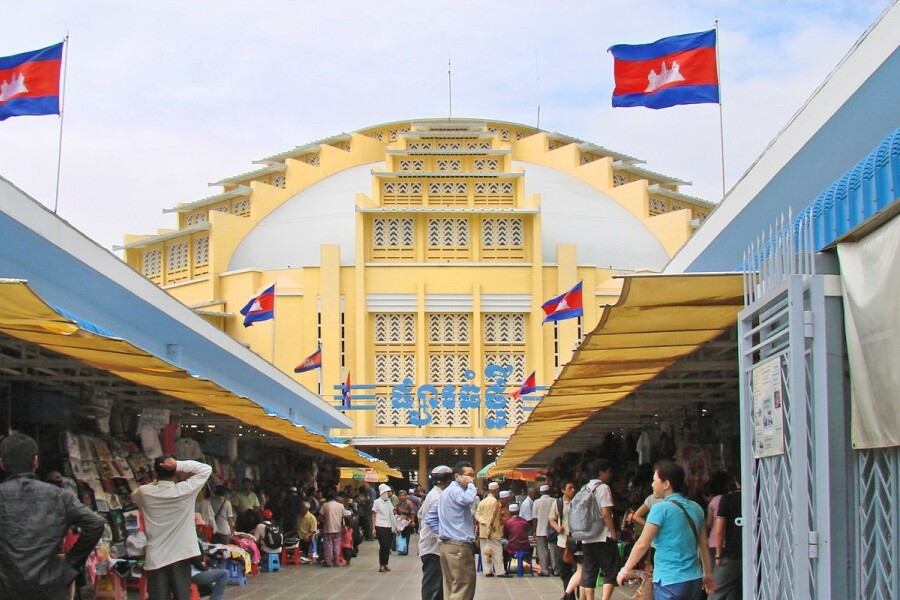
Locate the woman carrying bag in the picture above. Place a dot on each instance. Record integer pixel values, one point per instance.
(682, 569)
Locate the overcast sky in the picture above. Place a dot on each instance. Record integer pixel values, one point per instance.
(164, 97)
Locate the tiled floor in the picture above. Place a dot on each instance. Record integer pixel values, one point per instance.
(362, 580)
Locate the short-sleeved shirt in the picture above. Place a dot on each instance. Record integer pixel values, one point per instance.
(676, 559)
(603, 498)
(561, 520)
(730, 510)
(540, 510)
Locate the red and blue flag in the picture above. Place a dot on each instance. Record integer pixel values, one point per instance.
(260, 308)
(564, 306)
(675, 70)
(529, 386)
(29, 82)
(313, 361)
(345, 392)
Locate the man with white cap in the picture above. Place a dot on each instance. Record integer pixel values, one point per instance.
(429, 548)
(490, 531)
(541, 513)
(385, 525)
(455, 525)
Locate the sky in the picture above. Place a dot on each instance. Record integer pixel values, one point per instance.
(164, 97)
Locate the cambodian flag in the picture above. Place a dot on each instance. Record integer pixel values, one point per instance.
(260, 308)
(565, 306)
(345, 392)
(313, 361)
(675, 70)
(528, 387)
(29, 82)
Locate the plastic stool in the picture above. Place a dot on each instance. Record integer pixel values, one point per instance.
(195, 592)
(290, 555)
(110, 586)
(520, 557)
(270, 562)
(236, 575)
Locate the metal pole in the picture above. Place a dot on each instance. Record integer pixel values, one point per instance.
(721, 119)
(62, 112)
(449, 89)
(274, 320)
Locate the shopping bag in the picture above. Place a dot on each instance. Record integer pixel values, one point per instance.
(402, 547)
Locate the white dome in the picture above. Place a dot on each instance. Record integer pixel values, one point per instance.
(605, 234)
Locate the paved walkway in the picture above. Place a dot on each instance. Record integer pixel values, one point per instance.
(362, 580)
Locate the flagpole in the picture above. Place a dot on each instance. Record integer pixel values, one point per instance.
(62, 113)
(321, 389)
(274, 303)
(721, 120)
(449, 89)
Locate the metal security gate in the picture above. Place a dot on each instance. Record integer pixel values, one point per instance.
(794, 476)
(878, 527)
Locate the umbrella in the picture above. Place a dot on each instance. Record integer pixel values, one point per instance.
(523, 474)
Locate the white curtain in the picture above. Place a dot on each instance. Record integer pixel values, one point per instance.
(870, 272)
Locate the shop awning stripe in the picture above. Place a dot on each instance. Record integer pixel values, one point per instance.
(24, 315)
(657, 321)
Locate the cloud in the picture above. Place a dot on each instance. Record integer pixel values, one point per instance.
(165, 97)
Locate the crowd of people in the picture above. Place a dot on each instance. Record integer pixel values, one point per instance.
(593, 529)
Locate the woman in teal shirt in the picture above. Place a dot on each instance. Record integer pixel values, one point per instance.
(677, 528)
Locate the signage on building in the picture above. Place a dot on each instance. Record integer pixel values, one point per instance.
(421, 402)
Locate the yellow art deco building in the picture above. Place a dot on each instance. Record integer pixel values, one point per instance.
(418, 254)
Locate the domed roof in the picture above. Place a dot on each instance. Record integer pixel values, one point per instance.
(605, 234)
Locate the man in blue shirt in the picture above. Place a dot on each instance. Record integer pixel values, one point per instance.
(677, 526)
(452, 519)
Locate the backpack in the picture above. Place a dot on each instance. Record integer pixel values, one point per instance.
(585, 521)
(272, 537)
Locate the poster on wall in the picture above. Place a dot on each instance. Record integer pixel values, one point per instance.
(768, 416)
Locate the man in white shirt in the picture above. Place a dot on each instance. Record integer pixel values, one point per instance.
(601, 552)
(168, 509)
(541, 512)
(429, 544)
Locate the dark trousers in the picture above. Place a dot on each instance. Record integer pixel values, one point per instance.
(385, 539)
(565, 572)
(365, 523)
(432, 579)
(170, 582)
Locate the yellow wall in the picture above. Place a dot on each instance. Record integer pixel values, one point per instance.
(309, 299)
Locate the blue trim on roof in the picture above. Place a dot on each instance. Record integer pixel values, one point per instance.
(83, 323)
(862, 193)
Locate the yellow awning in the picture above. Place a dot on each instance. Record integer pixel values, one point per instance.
(24, 315)
(658, 320)
(360, 474)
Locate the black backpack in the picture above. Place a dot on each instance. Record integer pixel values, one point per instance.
(272, 537)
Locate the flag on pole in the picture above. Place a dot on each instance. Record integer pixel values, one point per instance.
(29, 82)
(313, 361)
(345, 392)
(528, 387)
(260, 308)
(564, 306)
(675, 70)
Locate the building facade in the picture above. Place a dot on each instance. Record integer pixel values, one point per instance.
(417, 256)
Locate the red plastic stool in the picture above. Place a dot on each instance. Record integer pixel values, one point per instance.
(195, 592)
(290, 555)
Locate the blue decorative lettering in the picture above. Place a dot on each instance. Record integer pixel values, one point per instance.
(401, 395)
